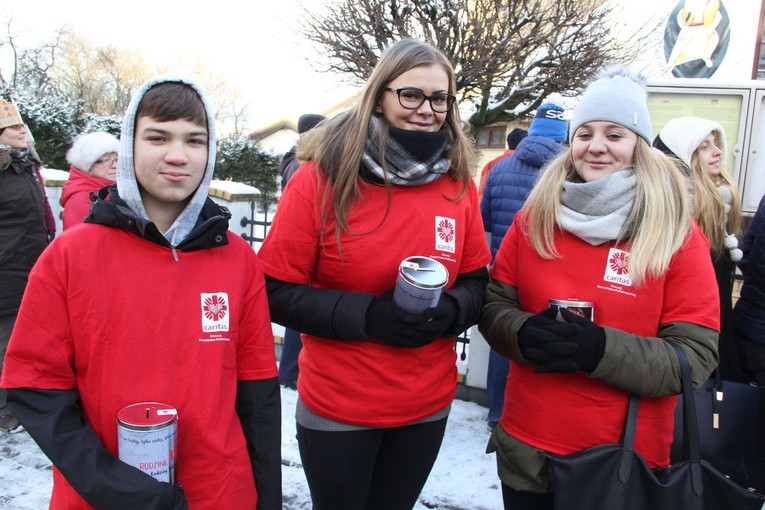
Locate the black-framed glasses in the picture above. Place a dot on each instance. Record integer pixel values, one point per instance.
(412, 98)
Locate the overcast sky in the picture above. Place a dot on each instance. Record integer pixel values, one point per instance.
(255, 45)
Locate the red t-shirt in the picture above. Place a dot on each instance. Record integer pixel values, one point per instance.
(368, 382)
(565, 413)
(119, 319)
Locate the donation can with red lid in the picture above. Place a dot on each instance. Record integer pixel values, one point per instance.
(147, 433)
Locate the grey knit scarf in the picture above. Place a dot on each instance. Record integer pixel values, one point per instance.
(401, 167)
(596, 211)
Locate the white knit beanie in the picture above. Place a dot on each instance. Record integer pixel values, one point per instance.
(683, 135)
(617, 95)
(87, 148)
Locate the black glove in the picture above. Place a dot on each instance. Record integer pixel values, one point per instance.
(528, 336)
(579, 347)
(387, 321)
(442, 318)
(50, 234)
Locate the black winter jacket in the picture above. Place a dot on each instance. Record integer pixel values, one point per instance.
(23, 234)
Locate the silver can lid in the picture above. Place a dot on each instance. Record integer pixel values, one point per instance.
(569, 303)
(424, 272)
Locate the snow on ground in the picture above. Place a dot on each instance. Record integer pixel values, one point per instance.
(463, 478)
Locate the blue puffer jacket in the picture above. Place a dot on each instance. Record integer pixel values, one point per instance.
(510, 183)
(749, 313)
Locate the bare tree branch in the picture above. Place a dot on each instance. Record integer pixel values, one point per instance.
(508, 54)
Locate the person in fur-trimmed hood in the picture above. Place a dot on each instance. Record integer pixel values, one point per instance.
(26, 225)
(607, 223)
(152, 299)
(93, 160)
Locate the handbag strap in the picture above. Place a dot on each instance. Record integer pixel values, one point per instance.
(628, 439)
(690, 428)
(690, 421)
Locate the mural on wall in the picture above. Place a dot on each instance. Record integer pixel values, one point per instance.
(696, 38)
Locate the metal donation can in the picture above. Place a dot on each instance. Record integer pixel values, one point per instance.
(420, 282)
(146, 438)
(584, 309)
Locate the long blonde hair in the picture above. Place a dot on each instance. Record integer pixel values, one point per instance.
(655, 229)
(709, 206)
(337, 145)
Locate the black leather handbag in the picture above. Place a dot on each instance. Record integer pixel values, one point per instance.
(727, 417)
(615, 476)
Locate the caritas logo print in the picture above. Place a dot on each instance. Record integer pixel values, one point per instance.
(214, 311)
(446, 234)
(616, 268)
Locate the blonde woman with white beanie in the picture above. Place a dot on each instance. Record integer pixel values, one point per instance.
(700, 147)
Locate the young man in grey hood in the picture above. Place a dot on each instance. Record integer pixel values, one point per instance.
(152, 299)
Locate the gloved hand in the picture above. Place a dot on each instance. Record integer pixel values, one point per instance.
(542, 338)
(581, 348)
(442, 318)
(387, 321)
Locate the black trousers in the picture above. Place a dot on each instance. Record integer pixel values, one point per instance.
(376, 469)
(520, 500)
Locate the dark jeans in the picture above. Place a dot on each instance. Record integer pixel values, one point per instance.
(496, 377)
(6, 327)
(375, 469)
(288, 363)
(520, 500)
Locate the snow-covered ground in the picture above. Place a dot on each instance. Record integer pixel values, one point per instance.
(464, 477)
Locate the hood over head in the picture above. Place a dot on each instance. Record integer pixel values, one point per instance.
(127, 185)
(683, 135)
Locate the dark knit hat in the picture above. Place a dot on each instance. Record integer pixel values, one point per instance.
(308, 121)
(549, 121)
(515, 136)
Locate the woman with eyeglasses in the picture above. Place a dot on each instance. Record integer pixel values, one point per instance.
(93, 160)
(388, 179)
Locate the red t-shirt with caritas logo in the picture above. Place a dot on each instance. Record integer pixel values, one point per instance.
(565, 413)
(121, 320)
(372, 383)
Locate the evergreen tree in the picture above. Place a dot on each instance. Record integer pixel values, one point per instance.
(241, 159)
